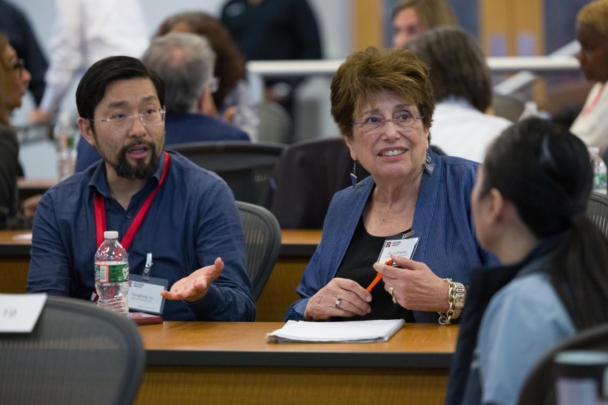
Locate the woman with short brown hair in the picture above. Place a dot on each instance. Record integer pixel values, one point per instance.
(383, 105)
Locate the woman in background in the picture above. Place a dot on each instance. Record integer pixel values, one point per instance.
(231, 98)
(528, 207)
(14, 79)
(592, 32)
(412, 18)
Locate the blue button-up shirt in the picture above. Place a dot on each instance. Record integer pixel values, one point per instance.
(192, 221)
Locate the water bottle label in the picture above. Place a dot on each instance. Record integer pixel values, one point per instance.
(112, 273)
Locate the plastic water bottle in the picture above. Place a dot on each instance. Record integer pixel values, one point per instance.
(599, 170)
(65, 138)
(112, 274)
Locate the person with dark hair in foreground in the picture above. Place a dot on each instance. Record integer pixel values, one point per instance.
(183, 215)
(528, 208)
(383, 104)
(462, 88)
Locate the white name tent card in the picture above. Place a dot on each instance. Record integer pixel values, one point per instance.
(144, 295)
(20, 312)
(344, 332)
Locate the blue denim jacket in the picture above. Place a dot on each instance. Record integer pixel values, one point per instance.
(442, 221)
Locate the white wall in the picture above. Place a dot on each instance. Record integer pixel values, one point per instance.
(333, 16)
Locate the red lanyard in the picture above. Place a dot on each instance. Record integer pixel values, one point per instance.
(591, 106)
(100, 211)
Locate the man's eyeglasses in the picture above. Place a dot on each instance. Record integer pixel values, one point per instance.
(375, 123)
(19, 66)
(149, 118)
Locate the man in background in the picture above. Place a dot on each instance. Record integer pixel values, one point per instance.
(85, 31)
(411, 18)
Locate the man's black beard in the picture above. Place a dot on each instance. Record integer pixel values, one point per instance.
(141, 170)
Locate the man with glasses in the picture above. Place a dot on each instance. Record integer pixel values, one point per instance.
(181, 215)
(185, 62)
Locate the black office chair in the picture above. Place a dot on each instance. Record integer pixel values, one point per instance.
(263, 239)
(76, 354)
(539, 387)
(597, 211)
(245, 166)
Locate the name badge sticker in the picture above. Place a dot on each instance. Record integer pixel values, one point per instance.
(399, 247)
(145, 295)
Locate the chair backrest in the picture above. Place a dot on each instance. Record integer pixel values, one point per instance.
(275, 122)
(597, 211)
(245, 166)
(263, 239)
(306, 178)
(539, 387)
(76, 354)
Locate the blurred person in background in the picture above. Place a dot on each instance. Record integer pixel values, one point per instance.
(14, 79)
(462, 88)
(85, 31)
(592, 32)
(231, 99)
(16, 27)
(185, 64)
(274, 30)
(413, 17)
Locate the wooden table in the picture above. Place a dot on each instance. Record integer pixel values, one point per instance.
(226, 363)
(30, 187)
(296, 249)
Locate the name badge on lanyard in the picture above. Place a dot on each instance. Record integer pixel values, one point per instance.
(144, 291)
(404, 247)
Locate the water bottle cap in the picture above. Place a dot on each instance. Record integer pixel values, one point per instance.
(110, 235)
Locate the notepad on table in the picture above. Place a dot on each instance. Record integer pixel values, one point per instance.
(337, 332)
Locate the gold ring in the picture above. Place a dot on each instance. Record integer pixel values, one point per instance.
(390, 291)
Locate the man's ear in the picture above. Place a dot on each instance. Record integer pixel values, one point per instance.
(86, 130)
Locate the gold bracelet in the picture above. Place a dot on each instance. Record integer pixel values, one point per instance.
(456, 298)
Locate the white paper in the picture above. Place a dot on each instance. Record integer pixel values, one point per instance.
(20, 312)
(353, 331)
(23, 236)
(145, 297)
(399, 247)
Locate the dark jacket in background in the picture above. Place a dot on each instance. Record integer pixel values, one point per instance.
(14, 24)
(9, 170)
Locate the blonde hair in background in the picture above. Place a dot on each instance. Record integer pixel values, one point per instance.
(5, 82)
(595, 14)
(434, 13)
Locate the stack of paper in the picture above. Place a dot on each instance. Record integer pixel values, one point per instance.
(346, 332)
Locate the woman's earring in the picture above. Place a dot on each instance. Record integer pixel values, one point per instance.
(428, 157)
(353, 175)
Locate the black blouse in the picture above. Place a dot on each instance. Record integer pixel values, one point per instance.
(356, 265)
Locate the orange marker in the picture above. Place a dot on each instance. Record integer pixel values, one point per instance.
(378, 277)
